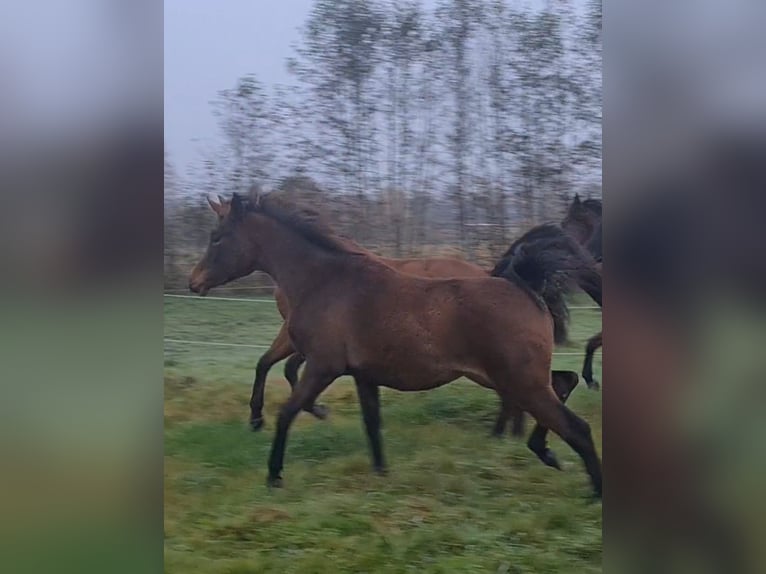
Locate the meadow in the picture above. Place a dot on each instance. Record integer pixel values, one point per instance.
(454, 500)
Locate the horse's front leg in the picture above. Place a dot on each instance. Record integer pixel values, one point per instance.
(280, 348)
(311, 384)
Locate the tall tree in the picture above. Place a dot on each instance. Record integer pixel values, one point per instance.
(427, 99)
(404, 57)
(498, 81)
(588, 106)
(247, 123)
(459, 20)
(540, 93)
(401, 50)
(336, 60)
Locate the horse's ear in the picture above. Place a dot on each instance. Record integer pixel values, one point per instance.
(216, 207)
(576, 199)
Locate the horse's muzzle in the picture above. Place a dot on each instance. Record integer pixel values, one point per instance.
(198, 287)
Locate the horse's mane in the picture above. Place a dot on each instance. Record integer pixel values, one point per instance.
(306, 222)
(546, 231)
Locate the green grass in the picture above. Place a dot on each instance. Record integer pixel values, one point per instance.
(455, 500)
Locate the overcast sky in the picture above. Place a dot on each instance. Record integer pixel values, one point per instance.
(209, 45)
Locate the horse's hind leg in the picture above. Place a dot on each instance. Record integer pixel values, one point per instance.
(280, 348)
(553, 414)
(563, 383)
(292, 365)
(587, 368)
(369, 399)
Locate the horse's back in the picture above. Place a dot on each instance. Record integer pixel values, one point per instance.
(439, 267)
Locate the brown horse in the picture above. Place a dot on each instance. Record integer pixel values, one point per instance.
(580, 218)
(564, 382)
(282, 348)
(583, 222)
(350, 314)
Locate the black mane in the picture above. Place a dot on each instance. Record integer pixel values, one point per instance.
(550, 261)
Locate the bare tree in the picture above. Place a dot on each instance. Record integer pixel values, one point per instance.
(459, 20)
(247, 123)
(336, 60)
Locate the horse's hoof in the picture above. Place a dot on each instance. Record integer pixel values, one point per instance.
(320, 411)
(274, 481)
(380, 470)
(549, 459)
(593, 385)
(256, 424)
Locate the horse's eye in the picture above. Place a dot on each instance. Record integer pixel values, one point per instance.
(216, 242)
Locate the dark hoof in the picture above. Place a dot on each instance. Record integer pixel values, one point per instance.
(320, 411)
(274, 481)
(593, 384)
(497, 433)
(594, 498)
(381, 470)
(549, 459)
(256, 424)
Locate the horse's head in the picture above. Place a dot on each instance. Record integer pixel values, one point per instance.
(231, 252)
(582, 218)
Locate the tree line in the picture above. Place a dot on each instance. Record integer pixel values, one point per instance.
(414, 129)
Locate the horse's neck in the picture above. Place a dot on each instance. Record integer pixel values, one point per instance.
(295, 264)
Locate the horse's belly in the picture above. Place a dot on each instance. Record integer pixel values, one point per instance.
(406, 377)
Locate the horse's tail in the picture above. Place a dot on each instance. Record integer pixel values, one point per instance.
(549, 265)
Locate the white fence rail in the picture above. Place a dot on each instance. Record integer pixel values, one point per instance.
(185, 342)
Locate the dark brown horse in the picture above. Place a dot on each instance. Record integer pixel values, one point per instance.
(552, 237)
(582, 218)
(583, 222)
(350, 314)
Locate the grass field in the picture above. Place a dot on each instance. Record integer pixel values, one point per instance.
(455, 500)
